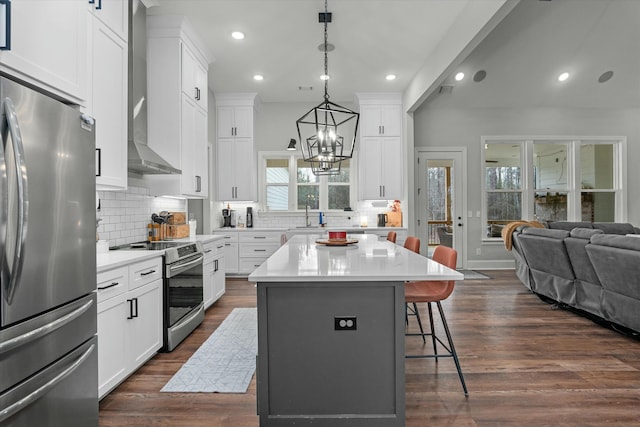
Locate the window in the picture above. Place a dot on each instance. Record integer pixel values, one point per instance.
(503, 185)
(552, 179)
(550, 172)
(277, 184)
(288, 184)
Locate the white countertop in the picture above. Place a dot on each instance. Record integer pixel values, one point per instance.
(313, 229)
(301, 259)
(121, 257)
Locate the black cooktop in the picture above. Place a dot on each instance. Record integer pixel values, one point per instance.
(148, 246)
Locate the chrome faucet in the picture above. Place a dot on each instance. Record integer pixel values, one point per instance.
(306, 209)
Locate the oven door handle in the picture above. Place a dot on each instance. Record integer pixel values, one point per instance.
(173, 270)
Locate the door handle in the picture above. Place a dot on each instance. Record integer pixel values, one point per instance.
(9, 411)
(5, 8)
(22, 187)
(34, 334)
(130, 316)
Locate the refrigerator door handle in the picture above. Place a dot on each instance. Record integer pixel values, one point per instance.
(21, 171)
(9, 411)
(33, 335)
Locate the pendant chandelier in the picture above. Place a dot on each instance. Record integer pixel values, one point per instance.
(322, 130)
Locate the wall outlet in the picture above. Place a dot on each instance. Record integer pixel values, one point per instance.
(345, 323)
(478, 251)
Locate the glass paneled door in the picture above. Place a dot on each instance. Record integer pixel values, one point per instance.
(439, 202)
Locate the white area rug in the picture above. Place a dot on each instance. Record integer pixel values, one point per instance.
(226, 361)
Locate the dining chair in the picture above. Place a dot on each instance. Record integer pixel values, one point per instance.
(391, 236)
(427, 291)
(413, 244)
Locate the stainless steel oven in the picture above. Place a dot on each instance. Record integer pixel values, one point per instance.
(183, 292)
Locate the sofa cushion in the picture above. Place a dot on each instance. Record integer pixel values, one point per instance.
(545, 232)
(616, 241)
(615, 227)
(584, 233)
(566, 225)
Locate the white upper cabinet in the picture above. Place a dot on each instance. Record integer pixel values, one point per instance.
(236, 159)
(380, 154)
(380, 165)
(48, 46)
(236, 170)
(235, 121)
(381, 120)
(114, 14)
(107, 94)
(177, 64)
(194, 78)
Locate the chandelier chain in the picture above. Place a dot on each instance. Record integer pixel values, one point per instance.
(326, 59)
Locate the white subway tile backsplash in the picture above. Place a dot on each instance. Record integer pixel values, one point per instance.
(125, 214)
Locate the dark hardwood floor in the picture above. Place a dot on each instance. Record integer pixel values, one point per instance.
(525, 362)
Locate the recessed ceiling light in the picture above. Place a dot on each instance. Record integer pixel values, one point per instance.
(390, 77)
(325, 77)
(459, 76)
(258, 77)
(237, 35)
(562, 77)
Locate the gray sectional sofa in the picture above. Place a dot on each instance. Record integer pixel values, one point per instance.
(591, 267)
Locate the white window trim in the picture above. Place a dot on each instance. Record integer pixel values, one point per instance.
(324, 184)
(573, 163)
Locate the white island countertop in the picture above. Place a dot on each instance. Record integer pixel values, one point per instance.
(371, 259)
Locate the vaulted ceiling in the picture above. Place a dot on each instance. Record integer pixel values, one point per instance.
(522, 56)
(527, 51)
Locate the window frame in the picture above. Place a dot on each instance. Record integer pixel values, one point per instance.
(574, 181)
(323, 183)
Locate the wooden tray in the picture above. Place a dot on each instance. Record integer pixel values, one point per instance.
(341, 242)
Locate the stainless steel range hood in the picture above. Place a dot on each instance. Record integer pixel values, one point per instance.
(142, 159)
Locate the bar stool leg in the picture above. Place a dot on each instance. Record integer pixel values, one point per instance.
(453, 349)
(417, 313)
(433, 332)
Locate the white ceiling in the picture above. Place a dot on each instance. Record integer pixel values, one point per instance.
(522, 56)
(373, 38)
(538, 40)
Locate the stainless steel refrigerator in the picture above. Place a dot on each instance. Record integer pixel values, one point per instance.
(48, 342)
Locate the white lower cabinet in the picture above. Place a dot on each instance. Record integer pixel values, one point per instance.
(129, 320)
(230, 250)
(255, 247)
(246, 250)
(213, 270)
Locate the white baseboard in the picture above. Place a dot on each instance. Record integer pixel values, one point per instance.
(491, 265)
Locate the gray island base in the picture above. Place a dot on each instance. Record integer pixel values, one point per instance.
(331, 332)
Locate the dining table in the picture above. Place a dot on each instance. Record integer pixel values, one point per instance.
(331, 324)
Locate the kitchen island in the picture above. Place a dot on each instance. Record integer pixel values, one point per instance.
(331, 331)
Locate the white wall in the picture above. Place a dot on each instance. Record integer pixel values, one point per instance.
(449, 127)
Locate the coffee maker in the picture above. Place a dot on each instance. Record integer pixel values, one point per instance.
(226, 217)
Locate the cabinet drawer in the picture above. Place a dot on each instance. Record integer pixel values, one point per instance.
(144, 272)
(112, 283)
(261, 237)
(230, 237)
(213, 249)
(259, 250)
(247, 265)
